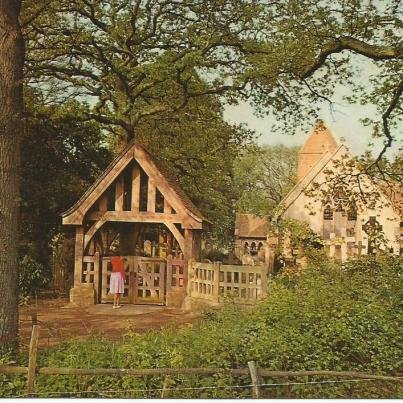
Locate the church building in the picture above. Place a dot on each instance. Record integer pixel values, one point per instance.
(347, 226)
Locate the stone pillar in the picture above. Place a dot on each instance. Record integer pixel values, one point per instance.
(81, 294)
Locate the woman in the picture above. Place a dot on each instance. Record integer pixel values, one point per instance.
(117, 283)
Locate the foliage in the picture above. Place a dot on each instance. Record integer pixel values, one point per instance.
(301, 235)
(214, 255)
(198, 148)
(135, 59)
(264, 176)
(331, 317)
(60, 159)
(140, 58)
(32, 276)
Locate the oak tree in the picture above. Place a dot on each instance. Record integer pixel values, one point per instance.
(11, 128)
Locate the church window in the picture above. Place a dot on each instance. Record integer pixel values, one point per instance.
(352, 215)
(253, 248)
(260, 246)
(328, 213)
(339, 209)
(246, 247)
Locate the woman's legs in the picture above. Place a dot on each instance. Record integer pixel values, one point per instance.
(118, 298)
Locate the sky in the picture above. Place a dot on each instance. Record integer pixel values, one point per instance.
(343, 120)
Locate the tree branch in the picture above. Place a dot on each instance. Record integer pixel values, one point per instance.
(373, 52)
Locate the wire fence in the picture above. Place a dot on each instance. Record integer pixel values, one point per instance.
(255, 374)
(198, 388)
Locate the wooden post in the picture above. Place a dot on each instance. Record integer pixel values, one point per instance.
(136, 188)
(78, 256)
(119, 192)
(169, 275)
(151, 196)
(103, 203)
(97, 276)
(255, 379)
(216, 266)
(167, 207)
(33, 348)
(165, 387)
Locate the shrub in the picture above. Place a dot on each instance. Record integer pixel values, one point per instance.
(332, 317)
(32, 276)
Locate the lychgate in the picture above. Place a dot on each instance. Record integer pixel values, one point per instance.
(135, 206)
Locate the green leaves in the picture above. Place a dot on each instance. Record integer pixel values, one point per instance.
(32, 276)
(328, 320)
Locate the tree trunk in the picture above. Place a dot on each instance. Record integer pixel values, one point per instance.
(11, 126)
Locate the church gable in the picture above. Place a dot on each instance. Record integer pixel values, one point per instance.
(133, 187)
(346, 228)
(320, 142)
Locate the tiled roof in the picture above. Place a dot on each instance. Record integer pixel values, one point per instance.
(250, 226)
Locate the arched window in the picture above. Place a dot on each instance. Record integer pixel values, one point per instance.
(260, 246)
(328, 213)
(253, 248)
(246, 247)
(352, 215)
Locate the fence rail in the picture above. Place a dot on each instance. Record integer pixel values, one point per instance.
(255, 373)
(216, 281)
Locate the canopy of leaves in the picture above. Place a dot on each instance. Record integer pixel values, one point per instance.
(264, 176)
(198, 148)
(287, 55)
(60, 159)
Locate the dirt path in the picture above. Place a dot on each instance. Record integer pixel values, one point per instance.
(60, 322)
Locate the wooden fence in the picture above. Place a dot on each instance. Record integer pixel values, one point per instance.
(216, 281)
(256, 374)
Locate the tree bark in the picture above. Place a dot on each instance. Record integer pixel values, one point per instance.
(11, 126)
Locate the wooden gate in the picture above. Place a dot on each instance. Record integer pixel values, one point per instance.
(145, 281)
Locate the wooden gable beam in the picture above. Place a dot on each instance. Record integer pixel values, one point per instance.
(167, 207)
(135, 188)
(151, 193)
(131, 216)
(177, 234)
(76, 216)
(161, 183)
(119, 192)
(91, 232)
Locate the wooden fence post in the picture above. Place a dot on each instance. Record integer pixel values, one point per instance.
(217, 280)
(33, 348)
(255, 379)
(165, 387)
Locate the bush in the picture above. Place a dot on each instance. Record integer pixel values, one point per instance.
(332, 317)
(32, 276)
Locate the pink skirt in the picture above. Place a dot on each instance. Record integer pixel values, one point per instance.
(117, 284)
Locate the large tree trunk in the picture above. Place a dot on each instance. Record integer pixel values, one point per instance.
(11, 126)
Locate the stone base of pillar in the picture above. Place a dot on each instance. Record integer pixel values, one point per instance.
(83, 295)
(191, 304)
(175, 298)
